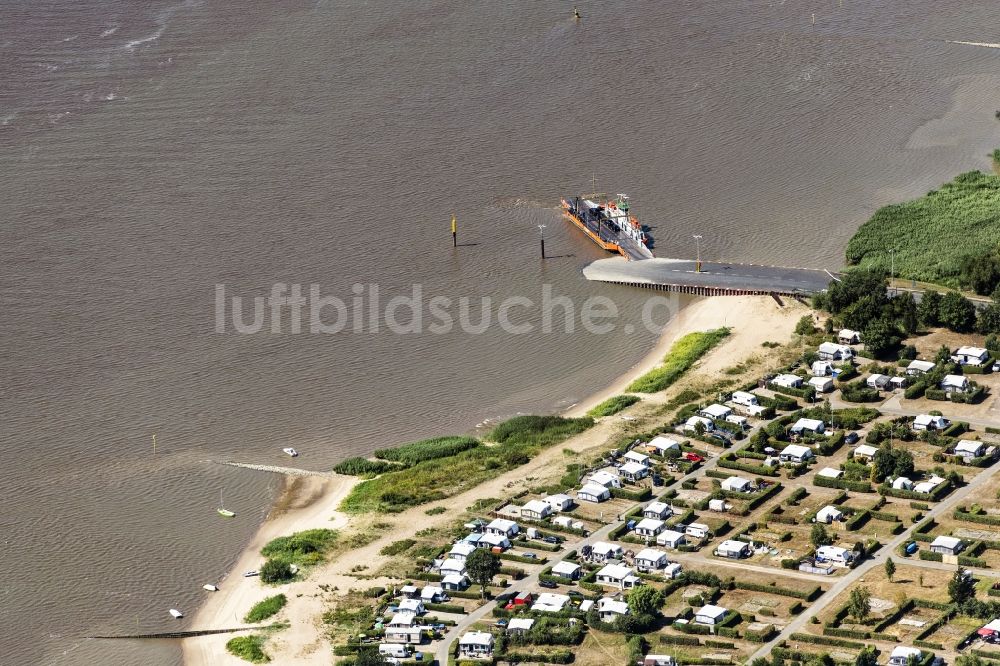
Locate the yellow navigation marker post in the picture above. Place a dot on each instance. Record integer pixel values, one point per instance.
(454, 231)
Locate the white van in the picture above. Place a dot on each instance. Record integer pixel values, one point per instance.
(393, 650)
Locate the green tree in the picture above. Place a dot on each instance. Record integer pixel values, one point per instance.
(890, 569)
(644, 600)
(902, 463)
(988, 320)
(905, 312)
(482, 566)
(961, 587)
(818, 535)
(852, 287)
(866, 657)
(883, 463)
(981, 271)
(943, 355)
(880, 335)
(928, 310)
(805, 326)
(957, 312)
(859, 605)
(276, 570)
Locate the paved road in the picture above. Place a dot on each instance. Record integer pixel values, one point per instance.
(682, 272)
(842, 584)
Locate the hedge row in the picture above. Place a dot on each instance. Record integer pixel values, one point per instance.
(843, 484)
(823, 640)
(760, 470)
(939, 491)
(670, 639)
(634, 495)
(983, 518)
(808, 595)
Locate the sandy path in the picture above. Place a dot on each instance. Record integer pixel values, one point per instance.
(754, 320)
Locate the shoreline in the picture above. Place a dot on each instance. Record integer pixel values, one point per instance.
(301, 643)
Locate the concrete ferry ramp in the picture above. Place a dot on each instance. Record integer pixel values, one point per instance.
(715, 278)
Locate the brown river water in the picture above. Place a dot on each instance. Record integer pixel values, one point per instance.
(151, 151)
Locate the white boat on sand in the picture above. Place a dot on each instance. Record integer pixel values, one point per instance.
(210, 587)
(176, 613)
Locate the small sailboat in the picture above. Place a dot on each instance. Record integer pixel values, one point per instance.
(176, 613)
(223, 511)
(210, 587)
(290, 451)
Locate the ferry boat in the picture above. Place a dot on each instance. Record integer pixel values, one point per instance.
(609, 223)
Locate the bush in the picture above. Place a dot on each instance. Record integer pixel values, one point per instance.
(678, 360)
(306, 547)
(538, 430)
(249, 648)
(397, 547)
(265, 609)
(808, 391)
(363, 467)
(276, 570)
(613, 405)
(859, 392)
(427, 449)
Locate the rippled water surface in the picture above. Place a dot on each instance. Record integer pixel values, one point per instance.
(153, 150)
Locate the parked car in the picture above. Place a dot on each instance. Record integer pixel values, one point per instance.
(851, 438)
(530, 556)
(552, 539)
(547, 583)
(693, 457)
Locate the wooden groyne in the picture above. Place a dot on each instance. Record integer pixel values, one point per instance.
(276, 469)
(174, 634)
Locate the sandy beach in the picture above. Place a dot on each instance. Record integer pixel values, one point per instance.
(311, 502)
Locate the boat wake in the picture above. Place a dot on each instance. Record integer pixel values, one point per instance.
(145, 40)
(985, 45)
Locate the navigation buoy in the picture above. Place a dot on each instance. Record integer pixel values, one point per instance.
(576, 14)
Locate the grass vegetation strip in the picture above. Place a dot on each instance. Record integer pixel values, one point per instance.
(538, 430)
(679, 360)
(932, 235)
(262, 610)
(306, 547)
(363, 467)
(613, 405)
(397, 547)
(437, 478)
(250, 648)
(427, 449)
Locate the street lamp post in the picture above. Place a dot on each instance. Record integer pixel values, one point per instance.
(541, 234)
(697, 263)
